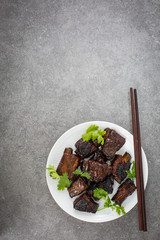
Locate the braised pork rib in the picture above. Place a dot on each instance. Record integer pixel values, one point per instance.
(85, 203)
(97, 170)
(119, 166)
(77, 187)
(126, 189)
(85, 149)
(112, 143)
(69, 162)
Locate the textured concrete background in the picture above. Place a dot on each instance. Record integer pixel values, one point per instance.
(63, 63)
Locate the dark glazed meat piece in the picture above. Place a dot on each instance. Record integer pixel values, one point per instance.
(85, 203)
(85, 149)
(95, 142)
(120, 165)
(99, 157)
(77, 187)
(126, 189)
(98, 171)
(112, 143)
(68, 163)
(90, 190)
(106, 184)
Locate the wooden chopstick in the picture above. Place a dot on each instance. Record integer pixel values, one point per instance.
(138, 161)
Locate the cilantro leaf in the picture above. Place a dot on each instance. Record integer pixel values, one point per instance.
(92, 133)
(94, 136)
(132, 173)
(101, 132)
(123, 211)
(133, 169)
(87, 136)
(64, 182)
(52, 172)
(107, 203)
(118, 210)
(101, 140)
(77, 171)
(92, 128)
(82, 174)
(86, 175)
(101, 193)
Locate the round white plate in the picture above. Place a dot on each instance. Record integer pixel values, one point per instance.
(62, 198)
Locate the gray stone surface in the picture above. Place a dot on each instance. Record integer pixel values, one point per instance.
(63, 63)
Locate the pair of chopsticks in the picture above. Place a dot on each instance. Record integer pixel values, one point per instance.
(138, 161)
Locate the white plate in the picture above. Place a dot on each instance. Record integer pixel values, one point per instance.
(62, 198)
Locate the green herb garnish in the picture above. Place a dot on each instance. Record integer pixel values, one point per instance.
(82, 174)
(92, 133)
(101, 193)
(132, 174)
(63, 182)
(52, 172)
